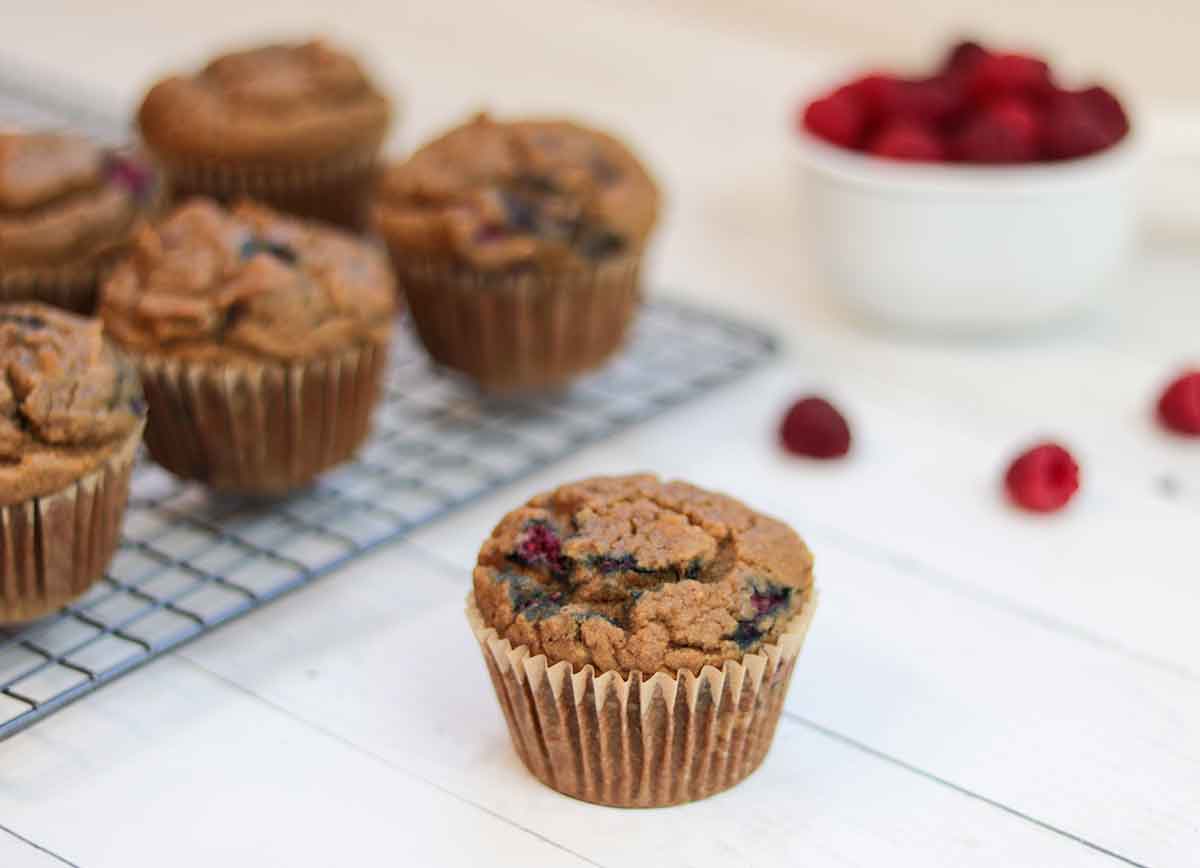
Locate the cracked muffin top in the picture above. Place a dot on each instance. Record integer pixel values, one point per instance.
(68, 400)
(246, 284)
(504, 195)
(294, 102)
(633, 573)
(64, 199)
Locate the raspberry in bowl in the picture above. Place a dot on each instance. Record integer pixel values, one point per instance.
(983, 197)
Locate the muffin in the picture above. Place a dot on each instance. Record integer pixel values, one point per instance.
(640, 636)
(71, 417)
(68, 209)
(296, 126)
(261, 341)
(519, 247)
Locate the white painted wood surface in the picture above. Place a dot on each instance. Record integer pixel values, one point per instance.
(980, 687)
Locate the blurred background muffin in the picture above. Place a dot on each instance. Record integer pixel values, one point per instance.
(298, 126)
(71, 417)
(261, 341)
(68, 208)
(518, 246)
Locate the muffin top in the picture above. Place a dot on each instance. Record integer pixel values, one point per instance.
(504, 195)
(65, 199)
(246, 284)
(633, 573)
(68, 400)
(277, 103)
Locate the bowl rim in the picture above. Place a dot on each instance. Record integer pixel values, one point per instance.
(865, 170)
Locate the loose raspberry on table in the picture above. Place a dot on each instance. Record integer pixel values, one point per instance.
(1179, 404)
(1043, 478)
(813, 427)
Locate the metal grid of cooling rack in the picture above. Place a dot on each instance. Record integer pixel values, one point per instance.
(190, 561)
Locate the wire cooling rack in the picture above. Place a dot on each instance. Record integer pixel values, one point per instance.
(189, 561)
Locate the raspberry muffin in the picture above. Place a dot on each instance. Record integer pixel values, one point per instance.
(296, 126)
(640, 635)
(519, 247)
(261, 341)
(71, 417)
(68, 209)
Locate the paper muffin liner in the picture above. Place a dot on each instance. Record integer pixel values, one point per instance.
(260, 428)
(53, 548)
(637, 742)
(522, 331)
(335, 191)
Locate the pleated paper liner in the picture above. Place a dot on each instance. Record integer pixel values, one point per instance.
(520, 331)
(336, 191)
(260, 427)
(53, 548)
(641, 742)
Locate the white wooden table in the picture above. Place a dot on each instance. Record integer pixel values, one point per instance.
(980, 687)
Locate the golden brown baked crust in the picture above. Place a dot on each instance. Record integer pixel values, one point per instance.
(634, 573)
(275, 104)
(211, 284)
(64, 199)
(67, 400)
(502, 195)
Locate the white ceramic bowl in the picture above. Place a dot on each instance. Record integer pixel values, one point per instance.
(956, 248)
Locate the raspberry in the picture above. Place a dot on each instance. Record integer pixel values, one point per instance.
(908, 140)
(1043, 478)
(1071, 129)
(1179, 404)
(1106, 109)
(888, 97)
(1006, 132)
(838, 118)
(1000, 75)
(963, 58)
(813, 427)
